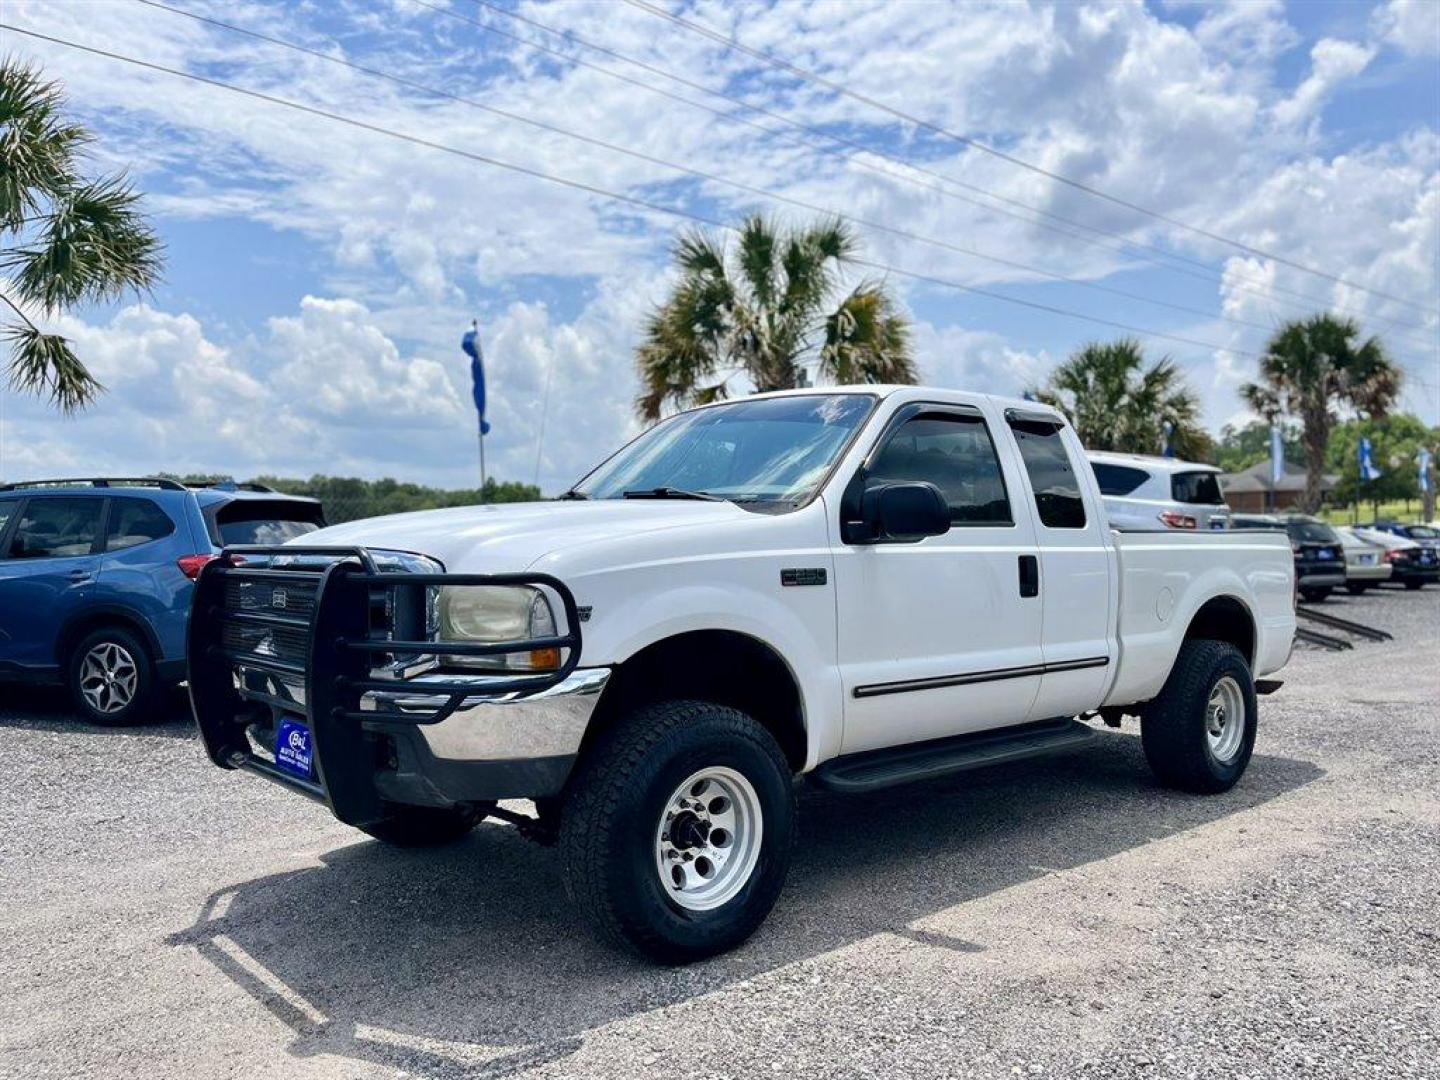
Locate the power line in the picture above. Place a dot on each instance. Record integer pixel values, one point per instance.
(592, 189)
(1205, 272)
(936, 129)
(701, 174)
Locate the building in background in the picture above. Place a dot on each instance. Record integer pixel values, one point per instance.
(1251, 490)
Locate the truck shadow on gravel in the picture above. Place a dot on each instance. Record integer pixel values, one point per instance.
(468, 961)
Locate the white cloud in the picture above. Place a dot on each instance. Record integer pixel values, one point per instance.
(1412, 26)
(1331, 62)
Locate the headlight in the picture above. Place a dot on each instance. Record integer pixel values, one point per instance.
(492, 614)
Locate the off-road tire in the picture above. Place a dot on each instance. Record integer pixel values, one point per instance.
(425, 826)
(148, 698)
(614, 803)
(1172, 727)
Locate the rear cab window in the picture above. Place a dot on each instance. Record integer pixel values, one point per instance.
(57, 527)
(262, 521)
(1199, 488)
(1052, 475)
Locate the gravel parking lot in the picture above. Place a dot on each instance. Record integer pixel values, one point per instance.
(1056, 918)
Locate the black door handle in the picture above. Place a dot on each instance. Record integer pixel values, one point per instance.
(1029, 575)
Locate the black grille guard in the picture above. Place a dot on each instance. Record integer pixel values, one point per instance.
(340, 651)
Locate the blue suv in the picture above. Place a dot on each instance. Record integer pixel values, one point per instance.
(96, 577)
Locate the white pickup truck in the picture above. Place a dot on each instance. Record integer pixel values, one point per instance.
(860, 586)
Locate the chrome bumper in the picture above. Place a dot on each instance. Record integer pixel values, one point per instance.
(508, 727)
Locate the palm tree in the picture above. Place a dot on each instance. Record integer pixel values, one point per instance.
(1117, 403)
(1309, 369)
(64, 240)
(765, 309)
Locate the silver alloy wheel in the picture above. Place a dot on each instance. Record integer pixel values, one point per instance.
(1225, 720)
(109, 677)
(708, 839)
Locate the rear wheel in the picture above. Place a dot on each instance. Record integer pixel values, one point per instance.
(425, 826)
(112, 678)
(676, 832)
(1199, 732)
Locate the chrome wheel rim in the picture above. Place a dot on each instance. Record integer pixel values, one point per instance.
(108, 677)
(1225, 719)
(708, 839)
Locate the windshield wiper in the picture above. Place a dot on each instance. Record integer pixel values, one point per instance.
(670, 493)
(571, 494)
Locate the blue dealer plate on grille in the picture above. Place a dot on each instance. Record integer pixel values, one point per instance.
(294, 749)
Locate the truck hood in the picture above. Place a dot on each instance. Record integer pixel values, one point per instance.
(509, 537)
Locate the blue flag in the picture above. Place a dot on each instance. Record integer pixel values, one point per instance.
(1368, 471)
(471, 344)
(1277, 455)
(1424, 469)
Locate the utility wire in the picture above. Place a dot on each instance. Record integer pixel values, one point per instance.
(764, 193)
(579, 185)
(861, 155)
(936, 129)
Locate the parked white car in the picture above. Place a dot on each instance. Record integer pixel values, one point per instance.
(1365, 563)
(862, 586)
(1143, 493)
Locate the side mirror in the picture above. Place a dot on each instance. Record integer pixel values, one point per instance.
(905, 513)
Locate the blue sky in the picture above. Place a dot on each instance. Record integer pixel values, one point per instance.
(319, 276)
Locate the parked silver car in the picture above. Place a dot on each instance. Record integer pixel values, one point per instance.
(1365, 563)
(1153, 494)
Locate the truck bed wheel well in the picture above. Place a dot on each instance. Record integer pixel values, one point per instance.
(719, 666)
(1225, 618)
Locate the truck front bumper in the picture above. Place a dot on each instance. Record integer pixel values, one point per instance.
(313, 667)
(510, 746)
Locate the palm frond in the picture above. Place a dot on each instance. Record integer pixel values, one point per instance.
(45, 364)
(758, 243)
(95, 246)
(867, 340)
(37, 145)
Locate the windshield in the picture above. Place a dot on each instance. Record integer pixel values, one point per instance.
(1311, 532)
(771, 450)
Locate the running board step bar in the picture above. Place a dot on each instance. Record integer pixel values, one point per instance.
(876, 769)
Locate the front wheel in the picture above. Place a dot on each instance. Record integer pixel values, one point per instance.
(676, 832)
(1199, 732)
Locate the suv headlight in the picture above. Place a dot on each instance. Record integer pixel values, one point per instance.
(491, 614)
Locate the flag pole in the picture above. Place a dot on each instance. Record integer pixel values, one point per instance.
(480, 433)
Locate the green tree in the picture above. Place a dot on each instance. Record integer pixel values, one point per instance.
(1311, 369)
(1240, 447)
(765, 307)
(1116, 402)
(64, 240)
(1395, 444)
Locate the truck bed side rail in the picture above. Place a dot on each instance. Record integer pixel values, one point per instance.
(310, 633)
